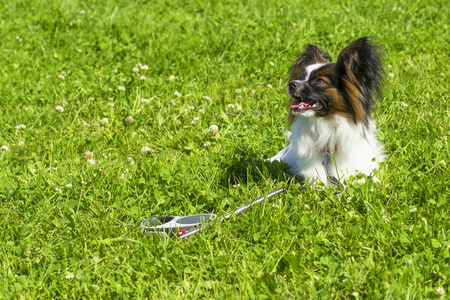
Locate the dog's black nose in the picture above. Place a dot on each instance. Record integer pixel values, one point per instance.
(297, 86)
(293, 85)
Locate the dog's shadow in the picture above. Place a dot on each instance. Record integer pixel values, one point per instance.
(248, 167)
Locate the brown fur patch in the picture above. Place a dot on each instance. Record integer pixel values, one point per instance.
(338, 105)
(354, 95)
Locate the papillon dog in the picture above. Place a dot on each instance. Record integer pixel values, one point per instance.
(333, 134)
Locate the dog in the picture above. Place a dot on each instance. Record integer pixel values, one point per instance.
(333, 134)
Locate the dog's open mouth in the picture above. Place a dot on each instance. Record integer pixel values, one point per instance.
(305, 105)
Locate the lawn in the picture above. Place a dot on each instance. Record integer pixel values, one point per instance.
(105, 115)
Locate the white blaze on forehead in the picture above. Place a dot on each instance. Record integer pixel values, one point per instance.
(309, 69)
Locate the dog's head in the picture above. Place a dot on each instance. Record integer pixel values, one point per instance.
(320, 88)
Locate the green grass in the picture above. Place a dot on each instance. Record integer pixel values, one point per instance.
(62, 216)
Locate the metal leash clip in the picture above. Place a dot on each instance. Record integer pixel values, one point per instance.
(331, 179)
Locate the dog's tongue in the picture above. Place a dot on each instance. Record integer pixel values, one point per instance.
(302, 104)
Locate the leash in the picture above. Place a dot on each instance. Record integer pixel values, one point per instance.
(185, 227)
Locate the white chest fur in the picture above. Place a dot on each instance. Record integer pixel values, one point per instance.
(354, 146)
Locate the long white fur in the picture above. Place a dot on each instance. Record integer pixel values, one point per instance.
(358, 150)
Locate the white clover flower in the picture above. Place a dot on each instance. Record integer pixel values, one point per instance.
(202, 111)
(135, 69)
(83, 182)
(391, 75)
(21, 143)
(121, 88)
(195, 120)
(413, 210)
(121, 176)
(191, 107)
(21, 126)
(444, 137)
(214, 130)
(440, 291)
(59, 108)
(61, 76)
(104, 121)
(129, 119)
(238, 107)
(70, 276)
(111, 104)
(58, 190)
(131, 160)
(230, 105)
(91, 161)
(69, 185)
(191, 85)
(207, 144)
(142, 77)
(146, 149)
(96, 259)
(238, 90)
(88, 155)
(171, 77)
(443, 163)
(404, 104)
(239, 97)
(82, 12)
(177, 94)
(207, 98)
(4, 148)
(110, 89)
(144, 67)
(144, 101)
(269, 86)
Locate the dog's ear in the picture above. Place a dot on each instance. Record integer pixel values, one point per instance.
(360, 71)
(311, 55)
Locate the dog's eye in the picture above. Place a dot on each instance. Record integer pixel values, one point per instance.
(320, 80)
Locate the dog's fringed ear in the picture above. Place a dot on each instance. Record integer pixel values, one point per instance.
(361, 73)
(311, 55)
